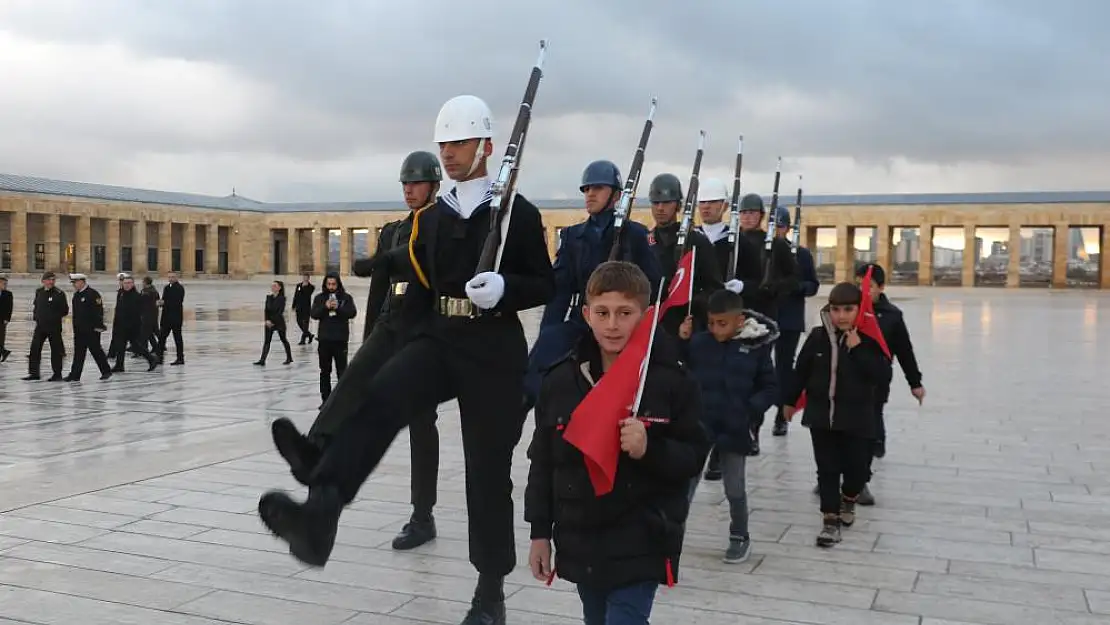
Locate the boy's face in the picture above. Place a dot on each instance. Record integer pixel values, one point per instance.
(843, 315)
(876, 288)
(724, 326)
(612, 318)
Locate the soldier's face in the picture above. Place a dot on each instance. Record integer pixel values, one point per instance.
(711, 211)
(458, 156)
(750, 220)
(78, 284)
(416, 193)
(598, 198)
(664, 212)
(781, 231)
(48, 283)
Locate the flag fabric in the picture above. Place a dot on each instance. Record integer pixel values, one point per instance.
(594, 426)
(867, 324)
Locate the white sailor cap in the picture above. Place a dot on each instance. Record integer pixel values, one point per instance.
(74, 277)
(123, 275)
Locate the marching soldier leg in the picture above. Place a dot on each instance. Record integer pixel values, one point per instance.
(78, 365)
(93, 343)
(57, 350)
(424, 455)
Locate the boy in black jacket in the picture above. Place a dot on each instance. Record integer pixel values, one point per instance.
(618, 547)
(841, 370)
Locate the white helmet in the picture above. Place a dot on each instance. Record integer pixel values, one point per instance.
(464, 117)
(712, 189)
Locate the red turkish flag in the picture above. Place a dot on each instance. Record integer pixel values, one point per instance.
(594, 426)
(867, 324)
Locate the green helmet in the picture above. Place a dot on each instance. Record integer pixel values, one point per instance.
(665, 188)
(421, 167)
(751, 202)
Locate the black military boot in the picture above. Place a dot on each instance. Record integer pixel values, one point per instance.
(301, 454)
(488, 605)
(418, 531)
(309, 528)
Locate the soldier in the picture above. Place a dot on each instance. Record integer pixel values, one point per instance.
(582, 247)
(666, 197)
(151, 302)
(50, 308)
(88, 323)
(127, 326)
(472, 347)
(173, 317)
(7, 304)
(302, 307)
(792, 315)
(333, 310)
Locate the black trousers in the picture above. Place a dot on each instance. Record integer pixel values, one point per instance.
(178, 343)
(87, 342)
(786, 347)
(57, 350)
(840, 455)
(3, 335)
(346, 401)
(152, 339)
(302, 323)
(424, 373)
(138, 346)
(269, 336)
(330, 352)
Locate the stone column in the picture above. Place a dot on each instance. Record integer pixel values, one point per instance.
(925, 255)
(1060, 232)
(293, 238)
(885, 250)
(138, 247)
(236, 264)
(845, 253)
(165, 247)
(84, 244)
(189, 250)
(345, 235)
(212, 249)
(967, 272)
(1013, 266)
(111, 246)
(1104, 257)
(52, 240)
(19, 242)
(319, 251)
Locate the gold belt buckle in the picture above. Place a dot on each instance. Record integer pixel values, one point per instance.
(399, 288)
(456, 307)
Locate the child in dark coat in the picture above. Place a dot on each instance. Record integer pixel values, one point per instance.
(732, 364)
(617, 548)
(841, 371)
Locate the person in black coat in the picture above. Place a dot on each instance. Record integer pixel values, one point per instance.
(842, 371)
(302, 307)
(151, 303)
(88, 324)
(7, 305)
(127, 326)
(50, 308)
(620, 546)
(273, 315)
(333, 309)
(173, 318)
(791, 314)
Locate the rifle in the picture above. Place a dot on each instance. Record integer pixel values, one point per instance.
(734, 214)
(504, 186)
(797, 217)
(691, 201)
(769, 240)
(628, 195)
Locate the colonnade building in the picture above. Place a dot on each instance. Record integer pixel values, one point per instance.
(975, 239)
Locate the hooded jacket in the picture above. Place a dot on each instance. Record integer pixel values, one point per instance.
(841, 384)
(737, 380)
(335, 325)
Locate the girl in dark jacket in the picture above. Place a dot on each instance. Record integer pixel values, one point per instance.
(274, 314)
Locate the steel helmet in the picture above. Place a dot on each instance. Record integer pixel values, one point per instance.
(712, 189)
(751, 202)
(603, 173)
(782, 217)
(665, 188)
(421, 167)
(464, 117)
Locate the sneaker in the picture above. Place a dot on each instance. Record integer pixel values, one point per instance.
(830, 532)
(865, 498)
(847, 512)
(739, 549)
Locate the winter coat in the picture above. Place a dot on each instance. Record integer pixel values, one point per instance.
(792, 307)
(897, 337)
(274, 310)
(335, 325)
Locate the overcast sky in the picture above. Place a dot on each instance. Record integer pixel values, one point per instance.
(289, 100)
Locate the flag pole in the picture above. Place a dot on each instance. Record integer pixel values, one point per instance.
(647, 356)
(693, 264)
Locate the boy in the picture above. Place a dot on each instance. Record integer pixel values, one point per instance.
(618, 547)
(841, 371)
(732, 363)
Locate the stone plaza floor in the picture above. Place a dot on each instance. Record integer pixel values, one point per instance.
(133, 500)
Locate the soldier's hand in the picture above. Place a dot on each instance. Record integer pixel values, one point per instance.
(633, 438)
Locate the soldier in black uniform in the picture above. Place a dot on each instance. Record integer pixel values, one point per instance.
(302, 307)
(127, 326)
(173, 317)
(151, 303)
(50, 308)
(7, 304)
(666, 199)
(88, 323)
(472, 349)
(113, 343)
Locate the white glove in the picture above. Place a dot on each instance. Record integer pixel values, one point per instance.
(486, 289)
(734, 285)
